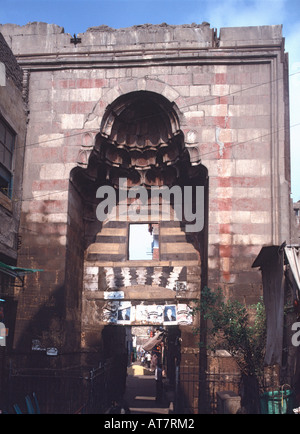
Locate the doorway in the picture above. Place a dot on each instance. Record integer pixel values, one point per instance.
(151, 372)
(140, 139)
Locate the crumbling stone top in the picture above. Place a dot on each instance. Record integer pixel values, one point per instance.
(147, 26)
(53, 40)
(34, 28)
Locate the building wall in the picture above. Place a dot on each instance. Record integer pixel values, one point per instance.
(13, 115)
(230, 93)
(12, 112)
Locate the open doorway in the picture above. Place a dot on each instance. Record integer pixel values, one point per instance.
(143, 241)
(107, 259)
(151, 373)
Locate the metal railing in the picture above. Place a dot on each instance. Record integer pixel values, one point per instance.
(197, 393)
(60, 391)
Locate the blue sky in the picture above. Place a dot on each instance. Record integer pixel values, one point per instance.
(76, 16)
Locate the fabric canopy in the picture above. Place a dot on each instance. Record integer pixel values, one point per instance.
(271, 262)
(16, 272)
(293, 256)
(152, 342)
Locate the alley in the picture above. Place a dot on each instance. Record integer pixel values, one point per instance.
(140, 395)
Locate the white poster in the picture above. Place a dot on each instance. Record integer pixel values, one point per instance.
(122, 312)
(155, 314)
(184, 314)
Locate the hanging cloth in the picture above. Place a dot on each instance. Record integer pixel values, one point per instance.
(152, 342)
(273, 295)
(293, 257)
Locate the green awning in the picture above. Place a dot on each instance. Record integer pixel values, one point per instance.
(16, 272)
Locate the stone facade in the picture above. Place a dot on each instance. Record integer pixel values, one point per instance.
(13, 118)
(13, 125)
(219, 105)
(12, 141)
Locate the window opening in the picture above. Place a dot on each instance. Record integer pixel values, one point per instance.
(7, 143)
(143, 241)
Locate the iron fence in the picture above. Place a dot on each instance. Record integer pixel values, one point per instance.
(60, 391)
(196, 392)
(89, 391)
(218, 382)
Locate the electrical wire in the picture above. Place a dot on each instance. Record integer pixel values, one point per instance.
(150, 116)
(49, 193)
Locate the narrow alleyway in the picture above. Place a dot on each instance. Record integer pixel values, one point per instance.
(140, 395)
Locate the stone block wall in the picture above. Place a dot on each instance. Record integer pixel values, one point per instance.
(13, 114)
(230, 94)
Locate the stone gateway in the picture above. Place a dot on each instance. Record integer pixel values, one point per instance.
(182, 107)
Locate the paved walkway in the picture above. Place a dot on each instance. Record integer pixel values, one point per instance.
(140, 394)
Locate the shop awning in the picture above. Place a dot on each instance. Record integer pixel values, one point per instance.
(152, 342)
(16, 272)
(293, 255)
(273, 261)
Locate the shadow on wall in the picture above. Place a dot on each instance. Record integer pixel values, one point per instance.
(43, 314)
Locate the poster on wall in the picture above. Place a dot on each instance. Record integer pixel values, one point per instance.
(149, 314)
(141, 313)
(184, 314)
(113, 295)
(124, 313)
(110, 312)
(170, 316)
(155, 314)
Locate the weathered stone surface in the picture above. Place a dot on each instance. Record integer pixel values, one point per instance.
(13, 114)
(222, 100)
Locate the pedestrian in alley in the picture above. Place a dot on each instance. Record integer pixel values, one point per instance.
(148, 360)
(154, 359)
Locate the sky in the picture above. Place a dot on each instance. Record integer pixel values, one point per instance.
(76, 16)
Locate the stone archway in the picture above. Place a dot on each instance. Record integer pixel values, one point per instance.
(140, 139)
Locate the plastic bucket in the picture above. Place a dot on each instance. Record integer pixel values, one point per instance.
(277, 402)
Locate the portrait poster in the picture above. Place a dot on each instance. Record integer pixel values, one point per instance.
(170, 317)
(124, 313)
